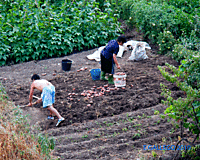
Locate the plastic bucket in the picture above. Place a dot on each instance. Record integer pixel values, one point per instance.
(66, 64)
(120, 79)
(95, 73)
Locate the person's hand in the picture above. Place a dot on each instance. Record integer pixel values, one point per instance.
(39, 100)
(30, 104)
(118, 67)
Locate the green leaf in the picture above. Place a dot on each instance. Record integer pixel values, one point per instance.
(196, 104)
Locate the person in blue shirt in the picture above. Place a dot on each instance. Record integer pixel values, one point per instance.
(108, 58)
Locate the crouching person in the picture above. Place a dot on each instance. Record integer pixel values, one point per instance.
(108, 58)
(48, 96)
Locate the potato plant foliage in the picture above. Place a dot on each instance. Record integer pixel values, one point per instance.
(186, 109)
(175, 26)
(38, 29)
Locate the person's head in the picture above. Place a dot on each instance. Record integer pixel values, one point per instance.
(35, 77)
(121, 40)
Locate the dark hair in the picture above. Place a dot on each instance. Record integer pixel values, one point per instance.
(35, 77)
(121, 39)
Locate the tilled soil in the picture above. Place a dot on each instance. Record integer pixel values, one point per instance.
(115, 125)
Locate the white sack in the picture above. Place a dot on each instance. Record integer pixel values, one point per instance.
(96, 54)
(138, 53)
(131, 44)
(121, 51)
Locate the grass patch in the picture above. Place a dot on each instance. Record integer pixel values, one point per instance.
(17, 138)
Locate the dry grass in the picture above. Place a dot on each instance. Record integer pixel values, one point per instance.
(15, 146)
(16, 141)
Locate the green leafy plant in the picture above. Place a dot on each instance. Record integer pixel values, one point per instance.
(124, 129)
(164, 22)
(32, 30)
(156, 112)
(85, 136)
(185, 110)
(162, 116)
(136, 135)
(190, 63)
(47, 144)
(191, 66)
(186, 5)
(154, 154)
(166, 42)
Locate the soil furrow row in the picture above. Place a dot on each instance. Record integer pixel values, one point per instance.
(115, 138)
(114, 125)
(110, 149)
(113, 130)
(80, 127)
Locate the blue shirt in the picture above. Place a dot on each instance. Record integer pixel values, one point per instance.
(111, 48)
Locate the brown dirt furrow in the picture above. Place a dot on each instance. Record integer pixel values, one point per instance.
(103, 122)
(114, 125)
(120, 150)
(112, 130)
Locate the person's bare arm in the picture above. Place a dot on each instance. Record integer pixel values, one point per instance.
(115, 60)
(31, 94)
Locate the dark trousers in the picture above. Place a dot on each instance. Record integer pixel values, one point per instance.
(107, 65)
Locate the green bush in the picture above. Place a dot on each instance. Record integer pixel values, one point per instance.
(166, 42)
(190, 63)
(188, 6)
(180, 52)
(191, 42)
(32, 30)
(126, 9)
(185, 109)
(152, 18)
(191, 66)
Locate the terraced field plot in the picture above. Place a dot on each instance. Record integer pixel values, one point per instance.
(115, 125)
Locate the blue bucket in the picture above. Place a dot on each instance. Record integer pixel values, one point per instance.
(95, 73)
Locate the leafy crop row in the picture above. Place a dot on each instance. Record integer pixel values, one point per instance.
(170, 27)
(153, 18)
(186, 109)
(188, 6)
(175, 26)
(32, 30)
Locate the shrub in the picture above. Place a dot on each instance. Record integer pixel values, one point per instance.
(166, 42)
(153, 18)
(187, 6)
(180, 52)
(191, 42)
(32, 30)
(191, 66)
(186, 109)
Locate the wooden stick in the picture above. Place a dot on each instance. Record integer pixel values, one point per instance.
(36, 97)
(27, 104)
(32, 103)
